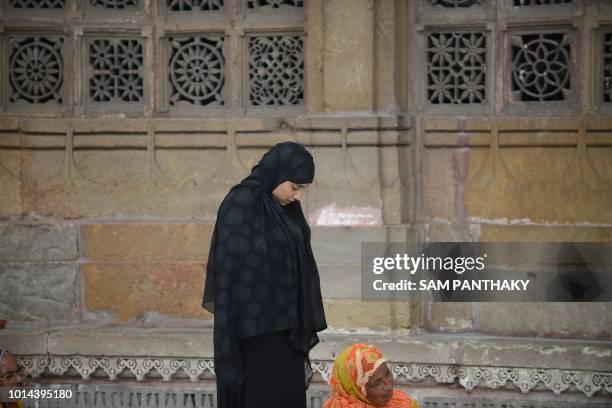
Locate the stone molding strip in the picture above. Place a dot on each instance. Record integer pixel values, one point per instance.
(469, 377)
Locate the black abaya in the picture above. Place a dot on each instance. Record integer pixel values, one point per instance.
(274, 375)
(261, 276)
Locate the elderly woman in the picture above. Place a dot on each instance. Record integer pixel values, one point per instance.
(11, 376)
(361, 379)
(262, 284)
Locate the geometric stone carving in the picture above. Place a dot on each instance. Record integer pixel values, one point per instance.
(489, 402)
(538, 2)
(196, 71)
(189, 5)
(274, 3)
(456, 68)
(541, 67)
(43, 4)
(455, 3)
(115, 4)
(525, 379)
(607, 68)
(276, 70)
(96, 395)
(116, 70)
(36, 68)
(469, 377)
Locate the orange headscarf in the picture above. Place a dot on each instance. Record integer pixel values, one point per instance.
(350, 374)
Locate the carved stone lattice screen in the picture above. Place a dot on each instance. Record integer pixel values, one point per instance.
(276, 70)
(456, 68)
(195, 57)
(541, 67)
(196, 70)
(116, 70)
(36, 69)
(539, 2)
(34, 4)
(274, 3)
(456, 3)
(189, 5)
(115, 4)
(517, 60)
(607, 67)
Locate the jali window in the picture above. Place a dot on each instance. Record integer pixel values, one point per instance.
(36, 70)
(541, 67)
(607, 67)
(456, 68)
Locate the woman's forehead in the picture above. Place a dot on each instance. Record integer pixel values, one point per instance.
(381, 371)
(9, 363)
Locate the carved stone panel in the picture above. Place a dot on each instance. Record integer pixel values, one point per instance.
(115, 4)
(192, 5)
(455, 3)
(520, 3)
(37, 4)
(36, 69)
(276, 70)
(115, 70)
(606, 84)
(253, 4)
(196, 71)
(456, 68)
(541, 67)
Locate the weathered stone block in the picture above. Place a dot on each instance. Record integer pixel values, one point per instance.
(10, 183)
(573, 320)
(469, 349)
(344, 313)
(452, 232)
(441, 192)
(450, 317)
(346, 190)
(544, 233)
(38, 242)
(340, 281)
(147, 242)
(179, 185)
(24, 341)
(130, 290)
(530, 184)
(132, 342)
(342, 245)
(385, 49)
(347, 61)
(38, 292)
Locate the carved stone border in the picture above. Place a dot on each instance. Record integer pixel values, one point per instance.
(469, 377)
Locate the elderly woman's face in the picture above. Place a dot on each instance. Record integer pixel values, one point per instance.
(288, 192)
(379, 388)
(10, 374)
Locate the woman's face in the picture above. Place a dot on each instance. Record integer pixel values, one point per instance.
(10, 374)
(379, 388)
(288, 192)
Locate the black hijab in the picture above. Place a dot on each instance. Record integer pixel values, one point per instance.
(261, 275)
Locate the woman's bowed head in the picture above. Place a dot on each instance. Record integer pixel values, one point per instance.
(361, 379)
(288, 192)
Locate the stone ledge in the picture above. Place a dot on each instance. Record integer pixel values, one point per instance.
(465, 349)
(349, 120)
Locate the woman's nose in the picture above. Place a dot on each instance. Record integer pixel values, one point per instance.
(298, 195)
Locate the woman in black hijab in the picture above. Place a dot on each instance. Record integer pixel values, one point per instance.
(262, 284)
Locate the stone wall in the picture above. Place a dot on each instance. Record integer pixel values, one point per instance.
(106, 211)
